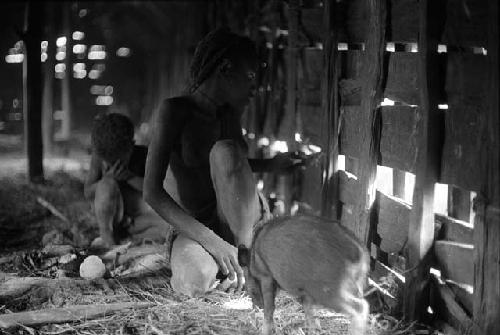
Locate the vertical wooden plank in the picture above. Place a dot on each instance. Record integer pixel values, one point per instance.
(421, 228)
(48, 80)
(372, 68)
(487, 220)
(330, 103)
(458, 203)
(32, 91)
(66, 101)
(288, 125)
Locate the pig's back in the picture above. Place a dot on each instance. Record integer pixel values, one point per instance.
(310, 254)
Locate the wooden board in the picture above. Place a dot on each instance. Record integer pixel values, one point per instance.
(348, 188)
(464, 131)
(463, 297)
(312, 69)
(350, 131)
(466, 79)
(402, 80)
(403, 21)
(351, 21)
(393, 220)
(466, 23)
(312, 22)
(455, 261)
(310, 184)
(454, 230)
(312, 117)
(447, 307)
(399, 136)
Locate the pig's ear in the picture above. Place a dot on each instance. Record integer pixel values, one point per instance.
(243, 255)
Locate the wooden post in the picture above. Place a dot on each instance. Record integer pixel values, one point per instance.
(287, 127)
(66, 81)
(32, 91)
(330, 103)
(421, 228)
(487, 219)
(48, 81)
(372, 75)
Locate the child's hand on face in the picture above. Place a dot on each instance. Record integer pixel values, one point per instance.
(117, 171)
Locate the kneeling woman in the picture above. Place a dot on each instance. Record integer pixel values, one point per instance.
(198, 175)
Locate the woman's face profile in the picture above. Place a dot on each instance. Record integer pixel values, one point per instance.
(240, 82)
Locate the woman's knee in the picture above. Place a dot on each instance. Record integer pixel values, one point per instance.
(227, 156)
(193, 269)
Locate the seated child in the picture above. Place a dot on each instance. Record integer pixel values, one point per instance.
(114, 184)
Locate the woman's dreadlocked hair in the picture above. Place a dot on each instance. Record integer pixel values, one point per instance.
(217, 45)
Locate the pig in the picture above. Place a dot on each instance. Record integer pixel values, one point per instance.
(312, 258)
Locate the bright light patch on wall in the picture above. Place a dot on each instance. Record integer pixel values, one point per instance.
(78, 35)
(94, 74)
(97, 55)
(441, 198)
(279, 146)
(80, 74)
(43, 57)
(429, 310)
(251, 136)
(480, 51)
(17, 58)
(108, 90)
(104, 100)
(442, 48)
(342, 46)
(79, 48)
(269, 45)
(314, 148)
(341, 162)
(60, 67)
(60, 55)
(243, 131)
(263, 141)
(383, 181)
(409, 186)
(298, 137)
(391, 47)
(78, 66)
(97, 89)
(319, 45)
(44, 45)
(260, 185)
(61, 41)
(123, 52)
(83, 12)
(413, 47)
(387, 102)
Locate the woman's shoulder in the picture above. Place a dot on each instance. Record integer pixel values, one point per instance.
(178, 108)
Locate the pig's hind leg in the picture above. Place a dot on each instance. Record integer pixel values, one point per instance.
(358, 310)
(308, 305)
(268, 288)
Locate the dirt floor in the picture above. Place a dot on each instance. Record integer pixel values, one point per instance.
(40, 253)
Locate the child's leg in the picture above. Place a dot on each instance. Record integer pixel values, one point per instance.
(108, 206)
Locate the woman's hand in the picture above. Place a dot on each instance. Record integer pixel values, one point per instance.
(226, 257)
(117, 171)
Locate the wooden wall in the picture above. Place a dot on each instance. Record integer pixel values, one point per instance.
(438, 62)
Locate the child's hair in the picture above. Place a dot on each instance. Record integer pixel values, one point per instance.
(217, 45)
(112, 136)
